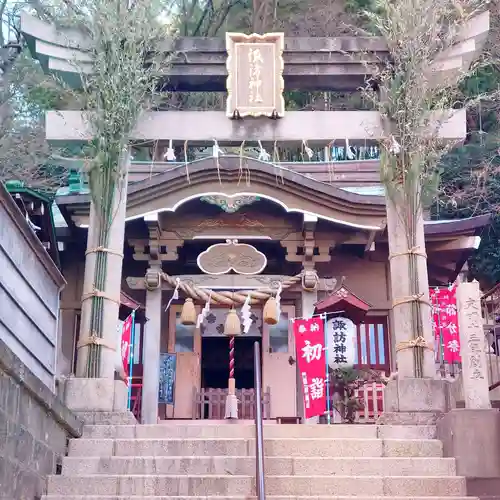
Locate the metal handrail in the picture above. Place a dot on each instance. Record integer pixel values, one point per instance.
(259, 429)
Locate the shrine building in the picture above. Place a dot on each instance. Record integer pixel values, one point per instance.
(213, 215)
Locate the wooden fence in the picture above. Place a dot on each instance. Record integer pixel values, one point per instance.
(371, 396)
(211, 404)
(30, 284)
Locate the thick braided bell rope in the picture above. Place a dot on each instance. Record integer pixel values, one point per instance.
(224, 297)
(231, 357)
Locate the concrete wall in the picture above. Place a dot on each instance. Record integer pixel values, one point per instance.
(472, 437)
(365, 278)
(34, 428)
(29, 294)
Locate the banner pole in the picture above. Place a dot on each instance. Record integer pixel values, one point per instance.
(328, 417)
(131, 361)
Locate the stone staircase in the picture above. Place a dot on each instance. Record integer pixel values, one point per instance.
(208, 460)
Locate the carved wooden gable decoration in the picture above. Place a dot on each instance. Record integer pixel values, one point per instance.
(255, 75)
(223, 258)
(243, 223)
(168, 234)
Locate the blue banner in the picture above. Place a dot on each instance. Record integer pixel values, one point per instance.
(168, 364)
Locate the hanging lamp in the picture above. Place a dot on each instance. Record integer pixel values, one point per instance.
(188, 313)
(232, 327)
(270, 313)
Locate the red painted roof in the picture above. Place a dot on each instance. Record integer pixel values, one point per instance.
(127, 301)
(343, 300)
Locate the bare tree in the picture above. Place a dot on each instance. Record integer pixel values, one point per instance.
(24, 153)
(412, 93)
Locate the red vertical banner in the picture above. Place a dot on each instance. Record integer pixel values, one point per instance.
(445, 323)
(311, 361)
(126, 338)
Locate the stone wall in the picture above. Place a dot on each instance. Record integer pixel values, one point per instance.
(34, 429)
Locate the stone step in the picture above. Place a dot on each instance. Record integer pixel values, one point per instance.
(269, 497)
(176, 429)
(245, 485)
(286, 447)
(240, 465)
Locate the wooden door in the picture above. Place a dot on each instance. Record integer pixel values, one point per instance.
(185, 342)
(279, 371)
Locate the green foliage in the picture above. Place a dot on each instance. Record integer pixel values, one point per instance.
(344, 383)
(25, 94)
(121, 85)
(470, 180)
(124, 44)
(470, 186)
(413, 96)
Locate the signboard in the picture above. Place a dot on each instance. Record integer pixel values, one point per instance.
(445, 324)
(255, 75)
(310, 344)
(125, 344)
(341, 342)
(167, 378)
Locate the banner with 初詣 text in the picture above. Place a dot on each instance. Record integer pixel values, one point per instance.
(310, 344)
(126, 340)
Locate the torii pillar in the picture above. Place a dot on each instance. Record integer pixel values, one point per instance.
(409, 399)
(102, 400)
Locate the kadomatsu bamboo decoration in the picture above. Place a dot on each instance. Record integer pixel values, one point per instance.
(411, 94)
(123, 47)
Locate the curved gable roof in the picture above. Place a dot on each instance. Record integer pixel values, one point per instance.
(233, 176)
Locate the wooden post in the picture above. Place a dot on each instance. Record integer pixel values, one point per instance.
(151, 349)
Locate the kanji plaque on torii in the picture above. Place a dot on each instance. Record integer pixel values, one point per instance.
(255, 75)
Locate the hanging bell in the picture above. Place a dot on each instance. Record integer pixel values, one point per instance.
(270, 313)
(188, 313)
(232, 327)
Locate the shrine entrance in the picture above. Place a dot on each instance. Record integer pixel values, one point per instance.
(214, 370)
(202, 354)
(211, 399)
